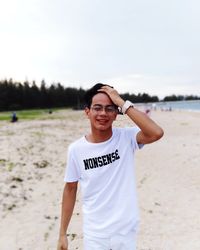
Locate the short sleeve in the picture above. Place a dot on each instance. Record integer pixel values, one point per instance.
(131, 133)
(72, 171)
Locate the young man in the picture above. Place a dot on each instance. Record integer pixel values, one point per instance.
(103, 163)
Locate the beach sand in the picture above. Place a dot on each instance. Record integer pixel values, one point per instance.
(32, 164)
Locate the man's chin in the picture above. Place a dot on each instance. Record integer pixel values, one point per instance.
(102, 127)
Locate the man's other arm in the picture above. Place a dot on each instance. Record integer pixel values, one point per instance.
(68, 202)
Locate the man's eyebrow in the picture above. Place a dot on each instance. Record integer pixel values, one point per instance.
(104, 105)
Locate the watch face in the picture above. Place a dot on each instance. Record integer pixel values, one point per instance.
(120, 111)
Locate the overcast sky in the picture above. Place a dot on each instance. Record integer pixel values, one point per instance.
(150, 46)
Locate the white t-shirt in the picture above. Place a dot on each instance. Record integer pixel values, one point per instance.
(106, 173)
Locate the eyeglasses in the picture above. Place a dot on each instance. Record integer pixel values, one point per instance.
(110, 109)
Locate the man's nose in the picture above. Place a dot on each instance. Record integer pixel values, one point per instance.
(103, 111)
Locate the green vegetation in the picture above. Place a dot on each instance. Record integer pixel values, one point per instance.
(19, 96)
(26, 114)
(180, 98)
(10, 166)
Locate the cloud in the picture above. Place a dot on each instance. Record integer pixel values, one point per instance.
(160, 85)
(140, 46)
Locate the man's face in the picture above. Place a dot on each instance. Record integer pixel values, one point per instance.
(102, 112)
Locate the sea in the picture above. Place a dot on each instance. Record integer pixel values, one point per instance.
(193, 105)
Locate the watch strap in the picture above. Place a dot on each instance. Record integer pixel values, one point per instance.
(126, 106)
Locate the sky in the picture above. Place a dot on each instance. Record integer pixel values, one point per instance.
(137, 46)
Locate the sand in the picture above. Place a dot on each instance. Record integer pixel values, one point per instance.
(32, 164)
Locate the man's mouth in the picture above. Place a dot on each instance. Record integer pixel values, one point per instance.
(102, 121)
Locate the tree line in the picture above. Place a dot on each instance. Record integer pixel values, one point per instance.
(181, 98)
(28, 95)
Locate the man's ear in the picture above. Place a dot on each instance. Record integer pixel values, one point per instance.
(87, 110)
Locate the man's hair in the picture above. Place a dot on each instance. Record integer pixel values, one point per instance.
(92, 92)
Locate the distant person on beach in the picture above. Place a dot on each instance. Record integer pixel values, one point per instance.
(103, 162)
(14, 117)
(154, 106)
(147, 111)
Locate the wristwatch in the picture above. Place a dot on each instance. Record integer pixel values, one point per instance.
(126, 106)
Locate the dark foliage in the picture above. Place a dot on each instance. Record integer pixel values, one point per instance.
(17, 96)
(180, 98)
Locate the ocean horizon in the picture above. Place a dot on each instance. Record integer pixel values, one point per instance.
(191, 105)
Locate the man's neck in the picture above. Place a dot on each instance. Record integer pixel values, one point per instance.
(99, 136)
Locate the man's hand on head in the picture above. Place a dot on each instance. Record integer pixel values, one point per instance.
(113, 94)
